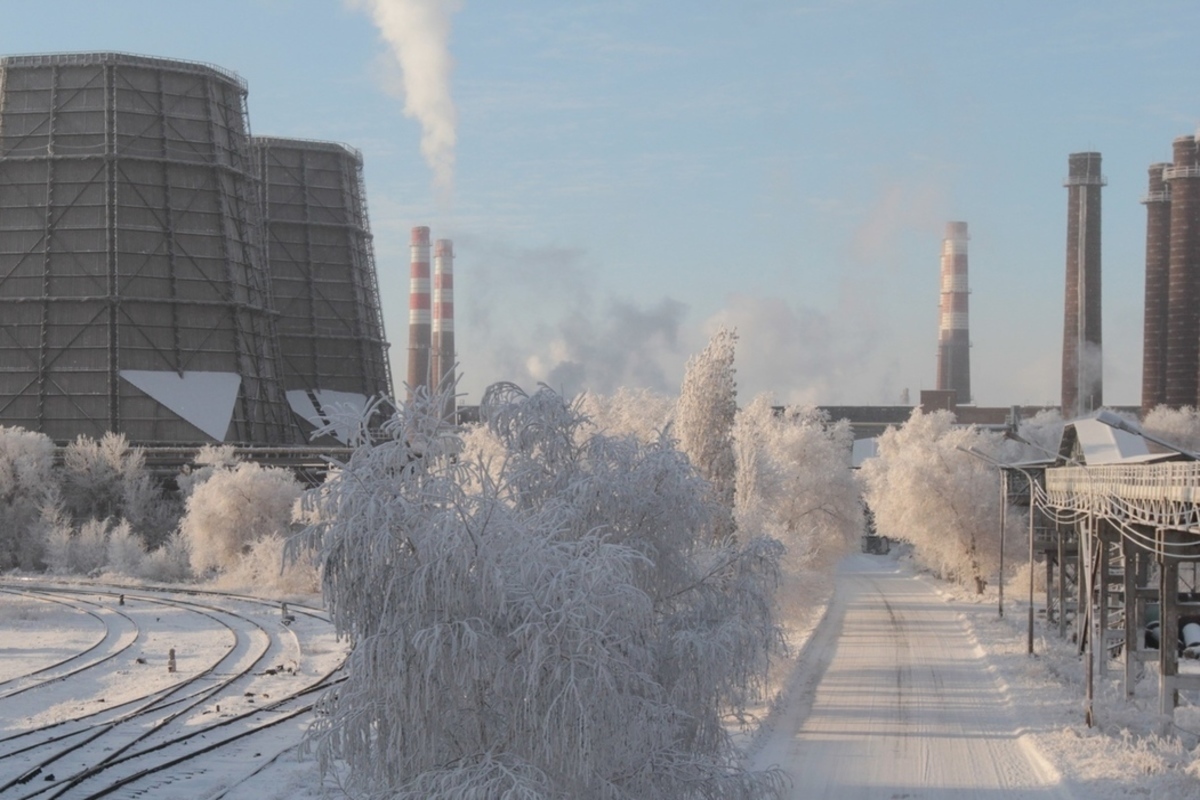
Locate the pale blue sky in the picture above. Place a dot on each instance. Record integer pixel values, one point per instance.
(633, 172)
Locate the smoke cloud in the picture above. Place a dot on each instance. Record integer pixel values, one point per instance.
(418, 33)
(537, 315)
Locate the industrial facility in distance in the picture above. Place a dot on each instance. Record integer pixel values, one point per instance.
(167, 276)
(1171, 341)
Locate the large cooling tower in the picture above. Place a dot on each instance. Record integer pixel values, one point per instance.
(954, 338)
(1158, 252)
(323, 280)
(132, 288)
(1082, 377)
(1183, 311)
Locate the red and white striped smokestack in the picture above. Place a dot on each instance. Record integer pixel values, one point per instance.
(418, 311)
(443, 315)
(954, 338)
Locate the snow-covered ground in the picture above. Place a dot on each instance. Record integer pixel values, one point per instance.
(908, 687)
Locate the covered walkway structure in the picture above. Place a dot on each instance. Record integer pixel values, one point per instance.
(1124, 507)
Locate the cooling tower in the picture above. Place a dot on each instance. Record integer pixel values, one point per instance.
(1183, 314)
(419, 334)
(323, 280)
(1158, 253)
(442, 358)
(954, 343)
(1082, 377)
(132, 286)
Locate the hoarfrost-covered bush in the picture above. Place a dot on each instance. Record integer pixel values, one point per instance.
(26, 479)
(233, 509)
(536, 613)
(77, 552)
(170, 562)
(264, 568)
(208, 461)
(795, 482)
(924, 489)
(704, 419)
(124, 552)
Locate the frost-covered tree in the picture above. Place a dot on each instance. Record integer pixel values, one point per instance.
(795, 483)
(536, 612)
(26, 478)
(1043, 431)
(1179, 426)
(108, 478)
(705, 415)
(923, 488)
(643, 413)
(235, 508)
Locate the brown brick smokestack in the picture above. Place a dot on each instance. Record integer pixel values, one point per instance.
(954, 343)
(1158, 260)
(1183, 315)
(1082, 376)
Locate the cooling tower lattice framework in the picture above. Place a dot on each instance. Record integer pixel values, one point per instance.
(323, 279)
(132, 286)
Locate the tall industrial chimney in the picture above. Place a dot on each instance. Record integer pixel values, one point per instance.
(418, 312)
(443, 318)
(1183, 314)
(1158, 259)
(1082, 376)
(954, 345)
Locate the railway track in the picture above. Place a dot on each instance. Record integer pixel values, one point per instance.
(251, 692)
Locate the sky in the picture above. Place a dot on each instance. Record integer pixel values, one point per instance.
(621, 178)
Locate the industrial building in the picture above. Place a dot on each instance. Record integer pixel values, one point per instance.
(161, 275)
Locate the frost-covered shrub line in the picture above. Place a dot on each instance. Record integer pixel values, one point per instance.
(101, 512)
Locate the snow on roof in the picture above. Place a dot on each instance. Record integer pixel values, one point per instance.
(1105, 438)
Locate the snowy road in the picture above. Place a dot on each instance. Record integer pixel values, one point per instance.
(893, 698)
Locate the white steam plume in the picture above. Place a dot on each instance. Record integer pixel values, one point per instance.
(418, 32)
